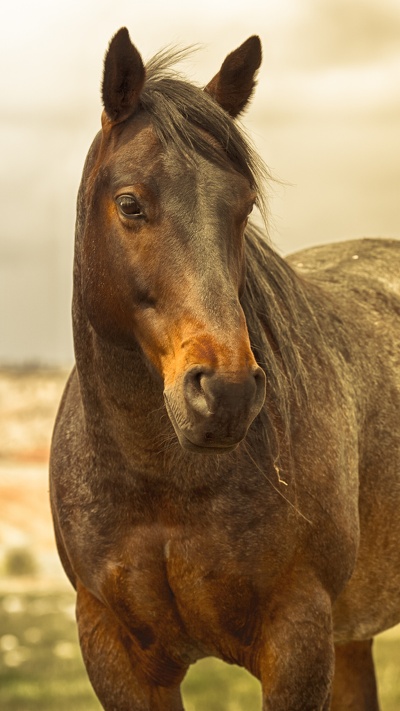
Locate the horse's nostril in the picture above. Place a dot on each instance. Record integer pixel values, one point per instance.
(259, 374)
(197, 378)
(260, 380)
(193, 388)
(208, 393)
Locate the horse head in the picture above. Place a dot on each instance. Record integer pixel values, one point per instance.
(168, 198)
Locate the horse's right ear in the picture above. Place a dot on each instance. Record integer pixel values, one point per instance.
(123, 78)
(233, 86)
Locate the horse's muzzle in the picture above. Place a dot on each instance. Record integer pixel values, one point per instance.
(212, 411)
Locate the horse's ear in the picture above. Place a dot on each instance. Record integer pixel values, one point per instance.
(233, 86)
(123, 77)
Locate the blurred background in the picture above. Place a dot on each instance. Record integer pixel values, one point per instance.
(325, 118)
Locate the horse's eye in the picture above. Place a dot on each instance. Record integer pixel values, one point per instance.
(129, 206)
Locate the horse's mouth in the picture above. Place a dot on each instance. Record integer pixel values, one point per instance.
(205, 440)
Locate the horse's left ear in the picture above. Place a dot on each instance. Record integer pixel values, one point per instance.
(123, 78)
(233, 86)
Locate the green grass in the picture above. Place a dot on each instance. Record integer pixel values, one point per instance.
(212, 685)
(387, 660)
(41, 667)
(40, 664)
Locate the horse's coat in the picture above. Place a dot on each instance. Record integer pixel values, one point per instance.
(225, 469)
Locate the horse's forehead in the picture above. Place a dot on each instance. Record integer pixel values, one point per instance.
(139, 151)
(136, 141)
(137, 154)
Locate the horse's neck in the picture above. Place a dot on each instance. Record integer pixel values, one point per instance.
(121, 397)
(128, 428)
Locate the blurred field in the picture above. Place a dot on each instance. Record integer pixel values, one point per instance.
(40, 663)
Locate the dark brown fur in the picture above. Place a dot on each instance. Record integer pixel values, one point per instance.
(197, 513)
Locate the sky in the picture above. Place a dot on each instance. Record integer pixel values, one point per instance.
(325, 118)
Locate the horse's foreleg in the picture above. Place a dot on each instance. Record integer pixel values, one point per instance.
(115, 674)
(354, 686)
(297, 660)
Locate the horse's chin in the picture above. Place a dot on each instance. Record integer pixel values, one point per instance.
(205, 448)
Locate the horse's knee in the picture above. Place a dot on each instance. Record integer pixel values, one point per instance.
(298, 658)
(354, 685)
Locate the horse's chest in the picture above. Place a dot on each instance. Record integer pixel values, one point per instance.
(216, 588)
(190, 589)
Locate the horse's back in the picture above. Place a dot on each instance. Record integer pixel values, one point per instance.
(373, 262)
(361, 282)
(358, 305)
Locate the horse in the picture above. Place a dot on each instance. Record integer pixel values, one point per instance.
(225, 464)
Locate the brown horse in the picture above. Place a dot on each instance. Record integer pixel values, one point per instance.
(225, 471)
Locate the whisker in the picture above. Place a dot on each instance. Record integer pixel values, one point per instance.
(165, 444)
(156, 409)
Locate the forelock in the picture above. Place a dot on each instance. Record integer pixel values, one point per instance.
(178, 109)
